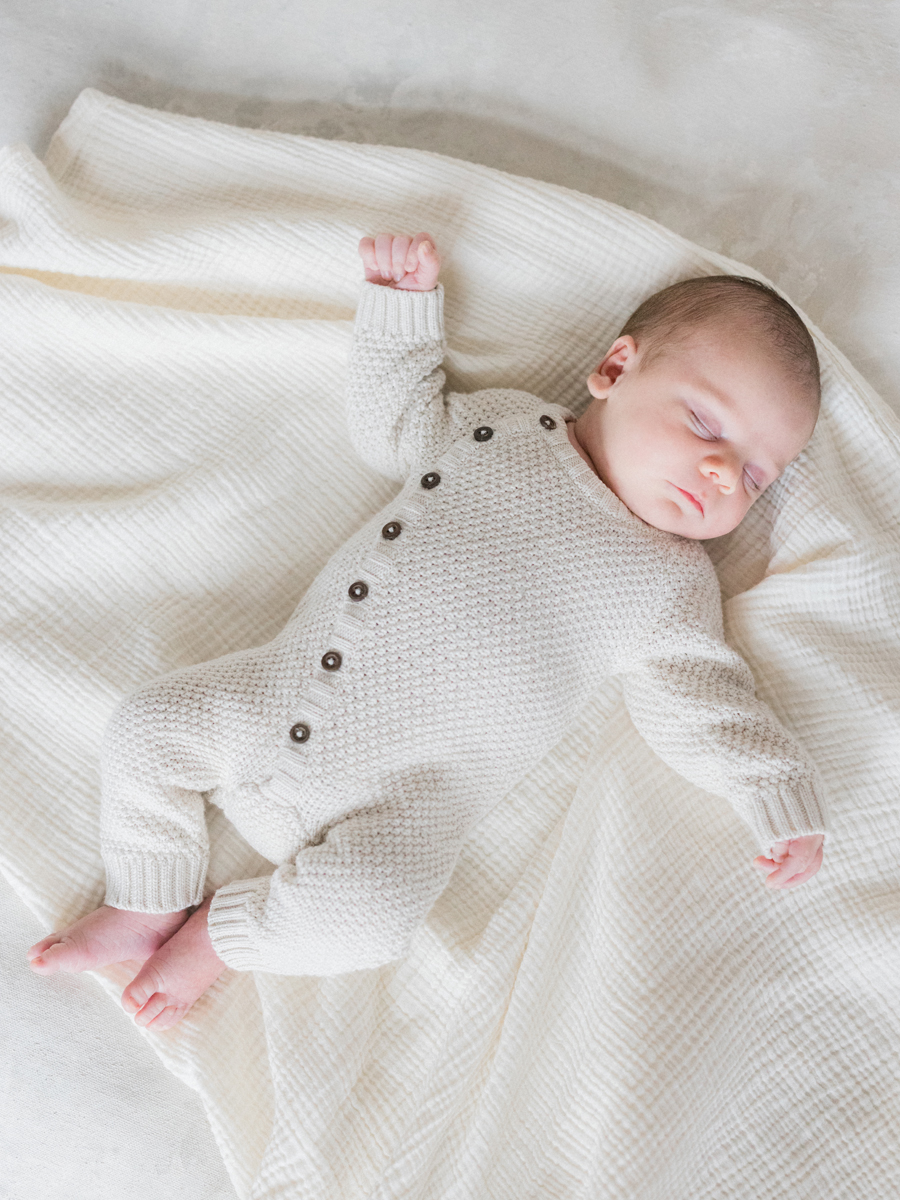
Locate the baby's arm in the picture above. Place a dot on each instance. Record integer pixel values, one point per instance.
(396, 409)
(693, 699)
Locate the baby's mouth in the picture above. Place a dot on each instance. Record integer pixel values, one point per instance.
(690, 495)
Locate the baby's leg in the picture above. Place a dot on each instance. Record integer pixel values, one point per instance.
(177, 975)
(107, 935)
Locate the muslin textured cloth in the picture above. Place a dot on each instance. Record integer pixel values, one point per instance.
(605, 1001)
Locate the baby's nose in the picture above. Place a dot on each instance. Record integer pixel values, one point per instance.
(721, 472)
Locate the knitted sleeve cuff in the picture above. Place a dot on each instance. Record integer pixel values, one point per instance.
(230, 922)
(413, 316)
(153, 883)
(790, 812)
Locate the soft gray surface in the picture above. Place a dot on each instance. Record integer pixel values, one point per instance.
(769, 134)
(69, 1109)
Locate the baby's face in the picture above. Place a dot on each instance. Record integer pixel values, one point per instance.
(689, 441)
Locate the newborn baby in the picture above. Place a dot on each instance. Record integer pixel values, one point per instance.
(446, 648)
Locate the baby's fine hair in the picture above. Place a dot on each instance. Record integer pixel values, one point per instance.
(667, 318)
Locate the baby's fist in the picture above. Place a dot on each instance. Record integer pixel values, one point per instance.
(793, 862)
(411, 264)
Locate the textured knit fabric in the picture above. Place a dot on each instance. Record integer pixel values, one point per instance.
(604, 1001)
(503, 586)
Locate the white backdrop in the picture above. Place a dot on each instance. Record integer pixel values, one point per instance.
(770, 136)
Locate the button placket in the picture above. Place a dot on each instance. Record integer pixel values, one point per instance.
(377, 565)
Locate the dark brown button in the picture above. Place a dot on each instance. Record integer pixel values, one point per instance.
(331, 661)
(483, 433)
(358, 590)
(391, 530)
(299, 733)
(548, 422)
(432, 479)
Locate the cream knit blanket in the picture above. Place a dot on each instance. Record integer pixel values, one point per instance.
(593, 1009)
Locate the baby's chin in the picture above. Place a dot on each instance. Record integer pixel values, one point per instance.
(667, 516)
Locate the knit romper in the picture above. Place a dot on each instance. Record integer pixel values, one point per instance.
(438, 656)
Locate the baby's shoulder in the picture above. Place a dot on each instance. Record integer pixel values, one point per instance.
(498, 403)
(686, 582)
(693, 591)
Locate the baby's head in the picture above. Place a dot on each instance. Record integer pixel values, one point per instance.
(706, 395)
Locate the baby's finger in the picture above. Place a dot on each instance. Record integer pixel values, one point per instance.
(412, 254)
(807, 873)
(399, 253)
(794, 868)
(765, 864)
(366, 250)
(383, 246)
(423, 247)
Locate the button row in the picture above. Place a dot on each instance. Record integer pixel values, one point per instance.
(331, 661)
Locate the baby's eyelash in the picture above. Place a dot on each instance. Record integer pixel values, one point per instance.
(756, 487)
(702, 430)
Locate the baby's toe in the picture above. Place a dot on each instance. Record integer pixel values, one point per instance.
(36, 954)
(39, 947)
(170, 1015)
(152, 1008)
(59, 955)
(136, 995)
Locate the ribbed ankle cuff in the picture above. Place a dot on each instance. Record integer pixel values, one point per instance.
(229, 922)
(152, 883)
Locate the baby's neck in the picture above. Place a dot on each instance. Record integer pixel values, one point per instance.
(573, 438)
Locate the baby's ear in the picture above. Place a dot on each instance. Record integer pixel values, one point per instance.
(599, 385)
(620, 357)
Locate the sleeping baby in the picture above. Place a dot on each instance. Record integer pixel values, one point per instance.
(445, 649)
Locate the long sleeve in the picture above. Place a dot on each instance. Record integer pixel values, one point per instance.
(153, 833)
(396, 406)
(398, 412)
(693, 700)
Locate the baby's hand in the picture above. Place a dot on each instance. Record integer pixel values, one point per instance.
(793, 862)
(411, 264)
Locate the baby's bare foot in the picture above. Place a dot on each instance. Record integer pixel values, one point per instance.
(177, 975)
(107, 935)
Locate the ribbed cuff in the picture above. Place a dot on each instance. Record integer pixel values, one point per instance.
(229, 924)
(414, 316)
(153, 883)
(790, 812)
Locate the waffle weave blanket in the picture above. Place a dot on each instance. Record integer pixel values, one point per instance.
(605, 1003)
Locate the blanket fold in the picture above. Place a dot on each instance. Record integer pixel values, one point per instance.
(605, 1001)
